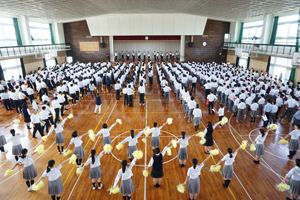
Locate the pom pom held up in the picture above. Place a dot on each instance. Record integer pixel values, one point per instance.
(200, 134)
(180, 188)
(92, 136)
(107, 148)
(174, 143)
(214, 152)
(147, 131)
(283, 141)
(244, 144)
(119, 146)
(252, 147)
(224, 120)
(138, 154)
(9, 172)
(169, 121)
(169, 151)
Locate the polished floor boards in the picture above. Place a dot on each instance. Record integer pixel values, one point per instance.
(251, 181)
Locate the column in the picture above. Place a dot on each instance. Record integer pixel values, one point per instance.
(55, 32)
(182, 46)
(267, 29)
(237, 31)
(111, 48)
(24, 30)
(232, 31)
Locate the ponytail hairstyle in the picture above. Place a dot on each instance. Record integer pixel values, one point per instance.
(23, 153)
(50, 165)
(229, 150)
(104, 125)
(155, 124)
(132, 133)
(195, 162)
(13, 132)
(209, 127)
(297, 161)
(183, 134)
(262, 132)
(93, 152)
(124, 165)
(74, 134)
(54, 123)
(156, 151)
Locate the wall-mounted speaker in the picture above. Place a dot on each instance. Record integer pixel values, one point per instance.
(191, 44)
(101, 45)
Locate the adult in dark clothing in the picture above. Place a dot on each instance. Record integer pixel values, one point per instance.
(107, 83)
(208, 135)
(26, 114)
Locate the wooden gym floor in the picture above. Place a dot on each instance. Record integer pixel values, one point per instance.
(251, 181)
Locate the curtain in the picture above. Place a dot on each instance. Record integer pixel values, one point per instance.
(1, 73)
(237, 61)
(17, 32)
(44, 61)
(274, 30)
(293, 71)
(51, 32)
(241, 33)
(55, 61)
(268, 65)
(23, 68)
(248, 62)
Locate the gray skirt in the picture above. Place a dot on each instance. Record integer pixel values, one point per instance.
(106, 140)
(79, 152)
(2, 140)
(182, 154)
(126, 187)
(29, 173)
(155, 141)
(293, 144)
(197, 121)
(55, 187)
(260, 149)
(193, 186)
(95, 173)
(234, 108)
(16, 150)
(130, 150)
(294, 187)
(253, 113)
(227, 171)
(59, 138)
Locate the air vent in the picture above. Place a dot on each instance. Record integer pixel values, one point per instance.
(88, 36)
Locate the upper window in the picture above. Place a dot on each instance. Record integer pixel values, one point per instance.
(7, 32)
(287, 30)
(40, 33)
(252, 32)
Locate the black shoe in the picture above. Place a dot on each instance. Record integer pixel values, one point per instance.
(206, 152)
(288, 198)
(225, 185)
(156, 185)
(256, 161)
(251, 121)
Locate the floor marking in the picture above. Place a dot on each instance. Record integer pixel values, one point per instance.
(145, 178)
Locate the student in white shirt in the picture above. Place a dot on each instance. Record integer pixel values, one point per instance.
(155, 140)
(16, 143)
(197, 117)
(59, 137)
(124, 91)
(78, 149)
(132, 141)
(142, 91)
(118, 88)
(294, 179)
(211, 98)
(95, 170)
(293, 144)
(130, 95)
(220, 112)
(192, 177)
(259, 145)
(125, 172)
(241, 108)
(166, 90)
(29, 171)
(227, 171)
(191, 106)
(273, 113)
(182, 153)
(106, 135)
(253, 113)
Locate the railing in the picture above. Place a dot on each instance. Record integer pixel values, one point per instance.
(17, 51)
(269, 49)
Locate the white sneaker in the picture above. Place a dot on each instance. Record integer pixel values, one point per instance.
(30, 189)
(99, 187)
(94, 188)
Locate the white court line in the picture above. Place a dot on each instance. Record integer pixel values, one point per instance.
(145, 178)
(90, 155)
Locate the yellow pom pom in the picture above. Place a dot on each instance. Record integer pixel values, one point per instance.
(252, 147)
(73, 159)
(40, 149)
(45, 138)
(80, 95)
(138, 154)
(200, 134)
(92, 135)
(107, 148)
(215, 168)
(147, 131)
(282, 187)
(119, 146)
(145, 173)
(67, 152)
(16, 121)
(9, 172)
(38, 186)
(144, 140)
(224, 120)
(119, 121)
(283, 141)
(63, 95)
(181, 188)
(214, 152)
(169, 120)
(273, 127)
(174, 143)
(79, 170)
(244, 144)
(53, 116)
(70, 116)
(59, 107)
(114, 190)
(169, 151)
(202, 141)
(145, 97)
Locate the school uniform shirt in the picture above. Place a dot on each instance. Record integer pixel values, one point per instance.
(194, 79)
(55, 104)
(105, 131)
(261, 101)
(207, 86)
(16, 140)
(254, 106)
(96, 163)
(129, 91)
(76, 141)
(294, 173)
(274, 109)
(22, 95)
(195, 173)
(260, 139)
(4, 96)
(248, 101)
(152, 160)
(183, 142)
(35, 118)
(221, 111)
(118, 86)
(45, 98)
(155, 131)
(124, 91)
(30, 91)
(295, 134)
(228, 160)
(142, 90)
(291, 103)
(59, 127)
(27, 161)
(167, 89)
(126, 175)
(241, 105)
(132, 141)
(53, 174)
(211, 97)
(192, 104)
(197, 112)
(231, 96)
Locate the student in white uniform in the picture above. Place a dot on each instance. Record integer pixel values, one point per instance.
(142, 92)
(192, 177)
(95, 170)
(259, 145)
(78, 149)
(253, 113)
(227, 171)
(294, 181)
(220, 112)
(106, 135)
(182, 153)
(29, 171)
(197, 113)
(132, 141)
(293, 144)
(125, 172)
(16, 143)
(124, 91)
(155, 140)
(3, 140)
